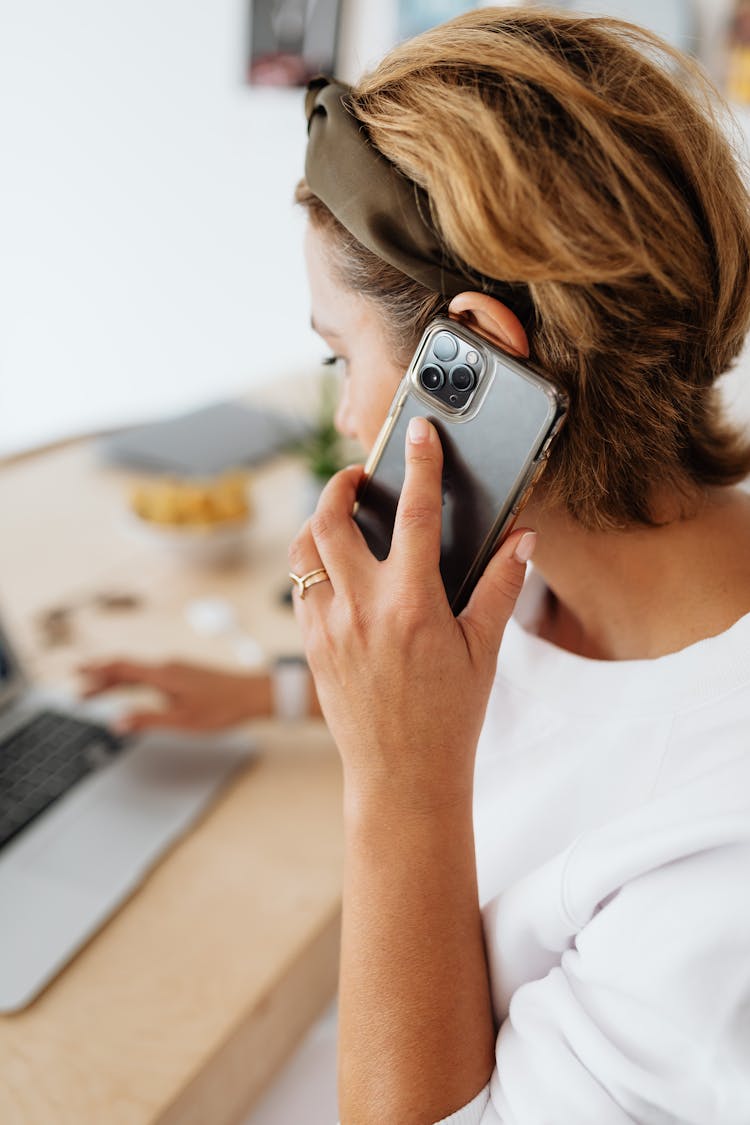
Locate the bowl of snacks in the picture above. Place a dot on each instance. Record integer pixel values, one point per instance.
(202, 521)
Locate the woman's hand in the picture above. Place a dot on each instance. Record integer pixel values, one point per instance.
(195, 698)
(403, 684)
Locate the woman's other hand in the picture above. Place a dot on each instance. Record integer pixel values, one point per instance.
(195, 698)
(403, 684)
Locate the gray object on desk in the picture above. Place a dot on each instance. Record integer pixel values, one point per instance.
(205, 442)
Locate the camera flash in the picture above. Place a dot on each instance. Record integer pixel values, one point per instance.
(472, 357)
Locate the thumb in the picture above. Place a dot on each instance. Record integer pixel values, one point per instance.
(495, 595)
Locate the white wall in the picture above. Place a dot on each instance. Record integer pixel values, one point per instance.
(149, 251)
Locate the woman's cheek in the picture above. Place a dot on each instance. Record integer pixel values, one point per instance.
(343, 419)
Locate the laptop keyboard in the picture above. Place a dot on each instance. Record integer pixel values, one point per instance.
(41, 760)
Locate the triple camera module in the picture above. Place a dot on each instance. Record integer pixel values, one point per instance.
(450, 369)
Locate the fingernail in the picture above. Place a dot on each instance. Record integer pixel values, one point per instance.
(419, 431)
(525, 547)
(121, 726)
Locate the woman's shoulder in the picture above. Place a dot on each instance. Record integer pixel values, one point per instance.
(710, 674)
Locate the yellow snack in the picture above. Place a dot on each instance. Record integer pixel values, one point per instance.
(191, 504)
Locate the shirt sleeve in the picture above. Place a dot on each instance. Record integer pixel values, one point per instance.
(645, 1018)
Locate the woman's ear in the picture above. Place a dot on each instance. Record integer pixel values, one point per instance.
(493, 319)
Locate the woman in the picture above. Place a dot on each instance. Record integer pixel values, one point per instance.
(562, 186)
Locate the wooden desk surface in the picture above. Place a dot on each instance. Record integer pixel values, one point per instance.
(181, 1008)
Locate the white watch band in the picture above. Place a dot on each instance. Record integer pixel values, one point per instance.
(290, 688)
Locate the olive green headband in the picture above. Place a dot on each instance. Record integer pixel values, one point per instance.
(380, 207)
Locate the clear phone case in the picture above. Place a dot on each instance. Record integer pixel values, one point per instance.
(497, 418)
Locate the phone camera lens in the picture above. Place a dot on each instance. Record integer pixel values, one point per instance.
(432, 377)
(462, 377)
(445, 346)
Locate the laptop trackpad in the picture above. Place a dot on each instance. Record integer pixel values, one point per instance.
(127, 814)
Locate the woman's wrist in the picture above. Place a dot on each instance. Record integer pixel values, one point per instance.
(256, 695)
(376, 804)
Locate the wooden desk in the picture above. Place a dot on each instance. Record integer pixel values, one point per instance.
(188, 1000)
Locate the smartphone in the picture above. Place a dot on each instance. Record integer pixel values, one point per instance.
(497, 417)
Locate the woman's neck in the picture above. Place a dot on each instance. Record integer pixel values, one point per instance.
(646, 592)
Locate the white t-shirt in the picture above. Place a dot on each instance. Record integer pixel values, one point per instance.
(612, 816)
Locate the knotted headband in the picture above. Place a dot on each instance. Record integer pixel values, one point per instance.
(379, 206)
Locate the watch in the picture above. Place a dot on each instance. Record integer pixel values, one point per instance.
(290, 688)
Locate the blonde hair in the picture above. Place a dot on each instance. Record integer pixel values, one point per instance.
(583, 158)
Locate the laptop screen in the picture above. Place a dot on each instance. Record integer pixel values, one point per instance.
(4, 664)
(11, 679)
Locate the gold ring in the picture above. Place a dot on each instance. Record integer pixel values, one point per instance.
(303, 582)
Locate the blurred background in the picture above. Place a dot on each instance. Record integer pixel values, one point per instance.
(151, 265)
(150, 253)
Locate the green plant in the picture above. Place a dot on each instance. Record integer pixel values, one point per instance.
(323, 450)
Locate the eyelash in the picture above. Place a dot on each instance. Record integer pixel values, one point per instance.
(334, 360)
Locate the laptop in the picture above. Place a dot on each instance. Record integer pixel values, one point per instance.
(83, 817)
